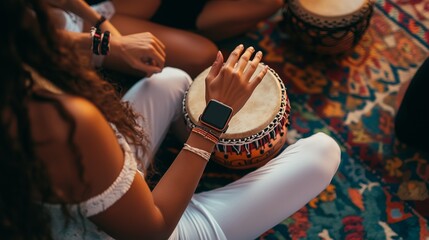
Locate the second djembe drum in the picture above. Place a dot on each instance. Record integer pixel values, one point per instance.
(327, 26)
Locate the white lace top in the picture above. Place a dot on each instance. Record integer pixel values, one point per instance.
(81, 227)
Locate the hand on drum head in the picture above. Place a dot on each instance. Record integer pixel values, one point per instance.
(230, 83)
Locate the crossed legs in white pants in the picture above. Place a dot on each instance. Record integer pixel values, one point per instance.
(248, 207)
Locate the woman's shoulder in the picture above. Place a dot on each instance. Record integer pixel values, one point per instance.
(55, 116)
(75, 131)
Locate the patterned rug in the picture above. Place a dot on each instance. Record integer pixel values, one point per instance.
(380, 190)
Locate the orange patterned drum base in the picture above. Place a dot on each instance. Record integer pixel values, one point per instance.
(238, 157)
(257, 132)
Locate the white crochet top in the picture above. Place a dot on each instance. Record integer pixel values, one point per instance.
(81, 227)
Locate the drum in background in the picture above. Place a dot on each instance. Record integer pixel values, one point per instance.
(327, 26)
(257, 132)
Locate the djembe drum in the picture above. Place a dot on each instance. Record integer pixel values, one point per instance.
(257, 132)
(327, 26)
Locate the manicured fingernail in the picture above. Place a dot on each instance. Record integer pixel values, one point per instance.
(241, 46)
(259, 53)
(218, 56)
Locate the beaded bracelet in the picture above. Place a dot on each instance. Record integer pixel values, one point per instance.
(209, 130)
(96, 40)
(212, 138)
(204, 154)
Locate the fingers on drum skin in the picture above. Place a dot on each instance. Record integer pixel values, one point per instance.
(213, 73)
(244, 59)
(216, 66)
(233, 57)
(253, 65)
(258, 79)
(227, 72)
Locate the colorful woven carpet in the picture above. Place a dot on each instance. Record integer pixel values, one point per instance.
(380, 191)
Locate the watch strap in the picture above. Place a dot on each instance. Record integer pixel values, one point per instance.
(209, 130)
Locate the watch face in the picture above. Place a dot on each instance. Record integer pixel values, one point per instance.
(216, 114)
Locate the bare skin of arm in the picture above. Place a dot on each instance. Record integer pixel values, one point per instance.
(102, 158)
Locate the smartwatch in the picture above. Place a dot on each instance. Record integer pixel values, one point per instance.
(216, 116)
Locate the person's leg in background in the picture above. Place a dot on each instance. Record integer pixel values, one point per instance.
(412, 119)
(253, 204)
(237, 16)
(185, 50)
(159, 100)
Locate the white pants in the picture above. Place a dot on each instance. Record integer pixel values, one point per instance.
(263, 198)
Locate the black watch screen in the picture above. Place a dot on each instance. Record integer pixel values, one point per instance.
(216, 115)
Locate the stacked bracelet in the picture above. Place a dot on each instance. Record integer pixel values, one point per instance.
(204, 154)
(200, 131)
(209, 130)
(96, 40)
(105, 43)
(100, 41)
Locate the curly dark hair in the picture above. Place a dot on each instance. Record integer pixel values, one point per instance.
(29, 38)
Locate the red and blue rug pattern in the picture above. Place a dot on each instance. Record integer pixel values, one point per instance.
(380, 190)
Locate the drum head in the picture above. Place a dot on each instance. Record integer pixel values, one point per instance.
(258, 112)
(331, 8)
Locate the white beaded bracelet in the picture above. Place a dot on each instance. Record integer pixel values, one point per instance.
(204, 154)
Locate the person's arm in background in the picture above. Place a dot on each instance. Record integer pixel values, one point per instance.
(140, 54)
(83, 10)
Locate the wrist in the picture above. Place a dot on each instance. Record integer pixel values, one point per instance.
(115, 60)
(115, 44)
(99, 21)
(216, 133)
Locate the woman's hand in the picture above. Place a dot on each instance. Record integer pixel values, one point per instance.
(140, 54)
(230, 83)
